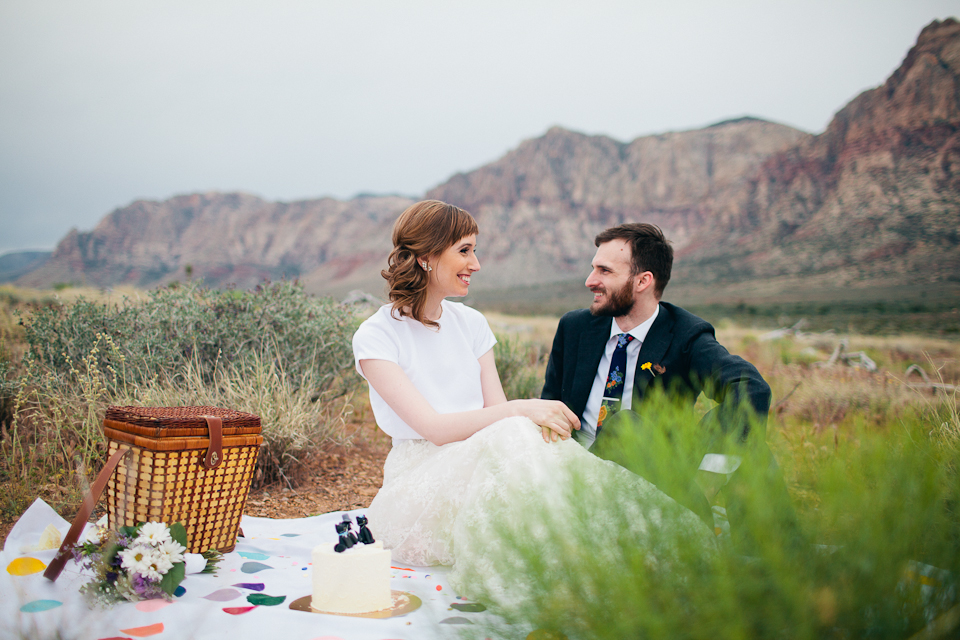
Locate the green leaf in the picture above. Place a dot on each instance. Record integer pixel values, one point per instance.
(179, 533)
(89, 547)
(133, 532)
(172, 579)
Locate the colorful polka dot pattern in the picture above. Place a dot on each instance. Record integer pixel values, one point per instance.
(253, 561)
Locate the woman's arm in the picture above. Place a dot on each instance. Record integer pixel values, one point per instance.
(493, 391)
(490, 381)
(393, 385)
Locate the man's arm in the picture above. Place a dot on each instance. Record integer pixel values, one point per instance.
(730, 380)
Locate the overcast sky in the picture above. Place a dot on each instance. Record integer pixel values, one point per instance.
(105, 102)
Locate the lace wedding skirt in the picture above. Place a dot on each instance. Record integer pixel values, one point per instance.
(468, 503)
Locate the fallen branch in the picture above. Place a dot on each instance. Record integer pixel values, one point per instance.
(856, 359)
(795, 330)
(926, 384)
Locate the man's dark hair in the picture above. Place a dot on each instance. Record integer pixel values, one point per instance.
(650, 249)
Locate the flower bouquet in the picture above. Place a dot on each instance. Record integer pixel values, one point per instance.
(143, 562)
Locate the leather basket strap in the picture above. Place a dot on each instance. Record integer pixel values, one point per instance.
(66, 549)
(215, 452)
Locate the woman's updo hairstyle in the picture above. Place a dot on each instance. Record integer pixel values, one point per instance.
(425, 230)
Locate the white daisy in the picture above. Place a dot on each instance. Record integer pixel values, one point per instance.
(173, 550)
(136, 558)
(161, 563)
(155, 565)
(154, 533)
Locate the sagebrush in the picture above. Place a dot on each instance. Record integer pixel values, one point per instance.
(275, 351)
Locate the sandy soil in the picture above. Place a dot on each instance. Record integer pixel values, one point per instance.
(343, 478)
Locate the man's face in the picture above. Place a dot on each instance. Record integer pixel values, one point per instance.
(611, 280)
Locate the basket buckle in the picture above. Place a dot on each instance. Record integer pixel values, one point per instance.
(215, 428)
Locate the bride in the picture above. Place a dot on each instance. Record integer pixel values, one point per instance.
(470, 472)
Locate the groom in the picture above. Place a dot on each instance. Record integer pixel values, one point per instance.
(612, 356)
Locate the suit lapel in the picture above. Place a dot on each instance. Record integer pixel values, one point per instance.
(592, 342)
(653, 349)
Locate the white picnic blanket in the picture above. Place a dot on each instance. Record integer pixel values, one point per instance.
(250, 596)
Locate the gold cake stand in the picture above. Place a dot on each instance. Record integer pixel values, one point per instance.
(403, 603)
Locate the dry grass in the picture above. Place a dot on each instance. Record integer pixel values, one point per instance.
(296, 425)
(535, 329)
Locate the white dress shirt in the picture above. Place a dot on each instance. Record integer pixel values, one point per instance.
(588, 427)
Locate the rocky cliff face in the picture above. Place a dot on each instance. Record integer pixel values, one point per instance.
(225, 239)
(540, 206)
(874, 199)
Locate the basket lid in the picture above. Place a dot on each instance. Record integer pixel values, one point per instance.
(179, 421)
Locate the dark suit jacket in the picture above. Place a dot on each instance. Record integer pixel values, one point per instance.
(681, 343)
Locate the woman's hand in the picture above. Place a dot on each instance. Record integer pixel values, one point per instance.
(553, 417)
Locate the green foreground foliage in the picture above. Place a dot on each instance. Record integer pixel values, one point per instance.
(878, 557)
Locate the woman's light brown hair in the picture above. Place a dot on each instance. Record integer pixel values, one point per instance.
(425, 230)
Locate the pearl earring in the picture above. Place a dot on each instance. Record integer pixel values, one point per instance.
(425, 267)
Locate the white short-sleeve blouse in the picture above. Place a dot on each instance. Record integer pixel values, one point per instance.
(442, 364)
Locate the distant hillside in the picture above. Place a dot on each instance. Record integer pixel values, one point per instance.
(231, 238)
(873, 201)
(17, 263)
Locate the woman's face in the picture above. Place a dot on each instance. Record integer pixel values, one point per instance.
(452, 269)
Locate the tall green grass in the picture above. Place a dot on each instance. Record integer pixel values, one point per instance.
(296, 423)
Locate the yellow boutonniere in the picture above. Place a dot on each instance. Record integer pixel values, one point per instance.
(646, 366)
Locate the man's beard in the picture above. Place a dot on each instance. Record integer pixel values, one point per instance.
(619, 302)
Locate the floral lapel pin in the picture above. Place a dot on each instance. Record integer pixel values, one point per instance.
(654, 369)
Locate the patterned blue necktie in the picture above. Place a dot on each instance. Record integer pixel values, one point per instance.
(613, 391)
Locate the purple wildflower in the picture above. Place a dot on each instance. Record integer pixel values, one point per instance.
(139, 585)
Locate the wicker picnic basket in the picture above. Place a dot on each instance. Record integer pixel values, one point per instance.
(192, 465)
(174, 472)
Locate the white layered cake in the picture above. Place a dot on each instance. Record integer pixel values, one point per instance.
(355, 581)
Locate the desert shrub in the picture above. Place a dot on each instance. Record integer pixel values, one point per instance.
(209, 327)
(8, 385)
(175, 347)
(835, 397)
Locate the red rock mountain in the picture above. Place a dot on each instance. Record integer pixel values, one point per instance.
(874, 199)
(232, 238)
